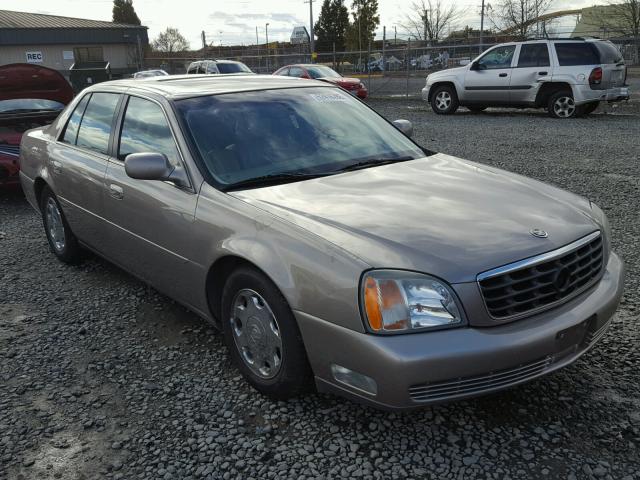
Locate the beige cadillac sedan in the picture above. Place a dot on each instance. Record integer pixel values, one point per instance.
(328, 247)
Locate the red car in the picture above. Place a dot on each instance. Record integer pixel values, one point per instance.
(30, 96)
(321, 72)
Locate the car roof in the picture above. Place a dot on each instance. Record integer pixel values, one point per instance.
(185, 86)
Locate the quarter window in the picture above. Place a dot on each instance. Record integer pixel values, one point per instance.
(95, 127)
(71, 130)
(533, 55)
(499, 57)
(145, 129)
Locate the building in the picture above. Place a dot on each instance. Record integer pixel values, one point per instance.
(64, 42)
(604, 21)
(300, 35)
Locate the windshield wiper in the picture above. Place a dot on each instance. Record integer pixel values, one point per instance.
(373, 162)
(273, 179)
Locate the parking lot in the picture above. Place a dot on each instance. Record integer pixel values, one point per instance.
(103, 377)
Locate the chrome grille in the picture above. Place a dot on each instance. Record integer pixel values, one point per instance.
(543, 281)
(430, 392)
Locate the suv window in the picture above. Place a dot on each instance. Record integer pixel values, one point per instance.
(609, 53)
(71, 130)
(95, 127)
(499, 57)
(582, 53)
(193, 68)
(533, 55)
(145, 129)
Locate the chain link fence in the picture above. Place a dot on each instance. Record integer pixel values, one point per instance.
(397, 69)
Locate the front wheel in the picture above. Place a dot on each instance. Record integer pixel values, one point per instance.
(562, 105)
(62, 241)
(263, 336)
(444, 100)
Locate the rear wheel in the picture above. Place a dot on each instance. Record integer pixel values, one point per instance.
(263, 336)
(62, 241)
(561, 105)
(444, 100)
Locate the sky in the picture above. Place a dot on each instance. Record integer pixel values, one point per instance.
(234, 21)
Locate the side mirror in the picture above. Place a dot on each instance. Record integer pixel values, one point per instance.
(478, 66)
(154, 166)
(404, 126)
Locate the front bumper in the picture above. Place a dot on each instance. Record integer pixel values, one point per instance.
(425, 93)
(413, 370)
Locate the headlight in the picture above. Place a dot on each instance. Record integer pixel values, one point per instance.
(395, 301)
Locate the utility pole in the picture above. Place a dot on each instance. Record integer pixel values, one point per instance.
(384, 40)
(204, 40)
(481, 24)
(312, 41)
(395, 36)
(266, 34)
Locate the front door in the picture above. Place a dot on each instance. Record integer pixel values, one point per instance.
(487, 81)
(150, 221)
(532, 67)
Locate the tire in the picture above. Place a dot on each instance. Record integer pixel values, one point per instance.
(477, 108)
(263, 336)
(444, 100)
(561, 105)
(589, 108)
(62, 242)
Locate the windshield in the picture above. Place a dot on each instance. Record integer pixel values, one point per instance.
(241, 136)
(29, 105)
(322, 72)
(233, 68)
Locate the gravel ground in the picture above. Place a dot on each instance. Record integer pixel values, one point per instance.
(101, 377)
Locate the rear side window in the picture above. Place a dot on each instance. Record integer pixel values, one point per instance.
(609, 53)
(582, 53)
(95, 127)
(71, 130)
(284, 72)
(192, 69)
(533, 55)
(145, 129)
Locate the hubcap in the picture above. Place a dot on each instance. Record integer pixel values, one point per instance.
(256, 333)
(55, 227)
(443, 100)
(564, 107)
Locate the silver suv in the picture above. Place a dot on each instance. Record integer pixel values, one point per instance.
(568, 77)
(217, 67)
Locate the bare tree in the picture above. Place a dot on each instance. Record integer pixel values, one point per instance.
(518, 17)
(628, 20)
(428, 19)
(170, 41)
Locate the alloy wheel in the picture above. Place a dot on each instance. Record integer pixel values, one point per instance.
(256, 333)
(55, 226)
(564, 107)
(443, 100)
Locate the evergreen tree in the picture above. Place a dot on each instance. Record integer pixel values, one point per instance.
(123, 12)
(365, 21)
(332, 26)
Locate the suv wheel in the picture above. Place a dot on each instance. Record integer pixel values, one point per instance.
(561, 105)
(62, 241)
(444, 100)
(263, 336)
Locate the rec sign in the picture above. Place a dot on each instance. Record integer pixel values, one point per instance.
(34, 57)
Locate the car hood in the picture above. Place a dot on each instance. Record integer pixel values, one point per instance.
(448, 72)
(21, 80)
(439, 214)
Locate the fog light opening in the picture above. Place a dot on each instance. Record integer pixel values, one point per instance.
(354, 379)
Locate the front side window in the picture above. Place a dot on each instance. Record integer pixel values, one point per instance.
(233, 68)
(296, 72)
(533, 55)
(570, 54)
(242, 136)
(145, 129)
(499, 57)
(95, 127)
(71, 130)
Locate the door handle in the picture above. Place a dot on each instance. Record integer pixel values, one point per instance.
(542, 73)
(56, 166)
(116, 191)
(503, 75)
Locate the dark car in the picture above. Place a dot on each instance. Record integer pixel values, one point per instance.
(30, 96)
(321, 72)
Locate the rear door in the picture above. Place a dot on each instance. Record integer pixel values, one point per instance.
(150, 221)
(489, 83)
(78, 162)
(532, 66)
